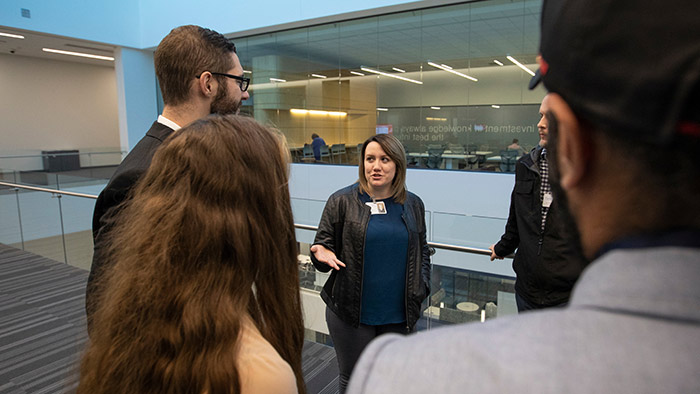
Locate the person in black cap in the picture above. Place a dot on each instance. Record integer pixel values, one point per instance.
(547, 263)
(624, 142)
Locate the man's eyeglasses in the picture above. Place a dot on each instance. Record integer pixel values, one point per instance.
(243, 82)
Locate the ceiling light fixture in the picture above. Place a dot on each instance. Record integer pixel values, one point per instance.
(369, 70)
(497, 62)
(434, 107)
(11, 35)
(398, 69)
(356, 73)
(517, 63)
(495, 106)
(298, 111)
(382, 109)
(77, 54)
(277, 80)
(247, 72)
(319, 76)
(437, 119)
(450, 70)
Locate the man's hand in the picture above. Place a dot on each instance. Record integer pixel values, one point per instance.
(326, 256)
(494, 256)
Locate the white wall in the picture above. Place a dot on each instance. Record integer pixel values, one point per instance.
(48, 105)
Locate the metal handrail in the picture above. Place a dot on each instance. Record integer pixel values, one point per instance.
(62, 154)
(437, 245)
(43, 189)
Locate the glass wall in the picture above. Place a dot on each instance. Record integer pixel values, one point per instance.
(443, 80)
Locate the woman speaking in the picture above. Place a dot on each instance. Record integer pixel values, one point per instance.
(372, 234)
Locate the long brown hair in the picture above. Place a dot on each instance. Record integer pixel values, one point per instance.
(206, 240)
(394, 149)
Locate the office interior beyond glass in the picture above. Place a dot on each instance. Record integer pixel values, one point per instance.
(450, 82)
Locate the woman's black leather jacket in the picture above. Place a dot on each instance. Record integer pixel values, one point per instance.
(342, 230)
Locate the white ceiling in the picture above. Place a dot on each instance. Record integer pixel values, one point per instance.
(33, 43)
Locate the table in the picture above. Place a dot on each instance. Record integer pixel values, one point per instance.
(449, 157)
(468, 307)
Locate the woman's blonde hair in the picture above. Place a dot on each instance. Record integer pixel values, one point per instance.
(206, 240)
(394, 149)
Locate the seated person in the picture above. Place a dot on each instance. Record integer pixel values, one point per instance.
(516, 146)
(202, 295)
(316, 143)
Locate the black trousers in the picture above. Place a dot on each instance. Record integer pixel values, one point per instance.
(525, 305)
(349, 342)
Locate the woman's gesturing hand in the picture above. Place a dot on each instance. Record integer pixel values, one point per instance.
(326, 256)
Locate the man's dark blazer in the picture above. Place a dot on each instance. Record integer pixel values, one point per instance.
(108, 202)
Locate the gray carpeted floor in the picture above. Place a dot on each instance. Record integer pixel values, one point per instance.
(42, 328)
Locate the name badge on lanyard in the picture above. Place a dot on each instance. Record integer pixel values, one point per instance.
(377, 208)
(547, 199)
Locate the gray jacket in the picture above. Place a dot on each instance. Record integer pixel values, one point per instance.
(632, 326)
(342, 230)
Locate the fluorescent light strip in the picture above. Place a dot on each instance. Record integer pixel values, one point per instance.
(398, 69)
(450, 70)
(318, 76)
(382, 109)
(78, 54)
(437, 119)
(11, 35)
(277, 80)
(356, 73)
(434, 107)
(497, 62)
(298, 111)
(247, 72)
(517, 63)
(369, 70)
(495, 106)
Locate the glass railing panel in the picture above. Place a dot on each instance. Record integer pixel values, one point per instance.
(77, 227)
(463, 296)
(40, 214)
(10, 230)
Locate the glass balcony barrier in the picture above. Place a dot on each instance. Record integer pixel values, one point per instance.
(465, 285)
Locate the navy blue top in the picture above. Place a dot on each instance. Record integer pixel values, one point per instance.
(384, 276)
(316, 145)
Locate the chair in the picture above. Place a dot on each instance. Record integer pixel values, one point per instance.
(473, 162)
(307, 153)
(434, 157)
(459, 150)
(325, 152)
(471, 148)
(508, 159)
(337, 150)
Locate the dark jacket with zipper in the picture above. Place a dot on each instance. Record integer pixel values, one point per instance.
(546, 264)
(342, 230)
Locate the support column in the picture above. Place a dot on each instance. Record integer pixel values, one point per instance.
(136, 93)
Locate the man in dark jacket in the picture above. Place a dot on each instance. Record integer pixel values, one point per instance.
(199, 74)
(546, 264)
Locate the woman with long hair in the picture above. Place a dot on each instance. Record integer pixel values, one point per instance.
(372, 234)
(203, 293)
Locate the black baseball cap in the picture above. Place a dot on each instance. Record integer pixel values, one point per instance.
(630, 66)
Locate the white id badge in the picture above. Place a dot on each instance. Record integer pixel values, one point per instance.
(377, 208)
(547, 200)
